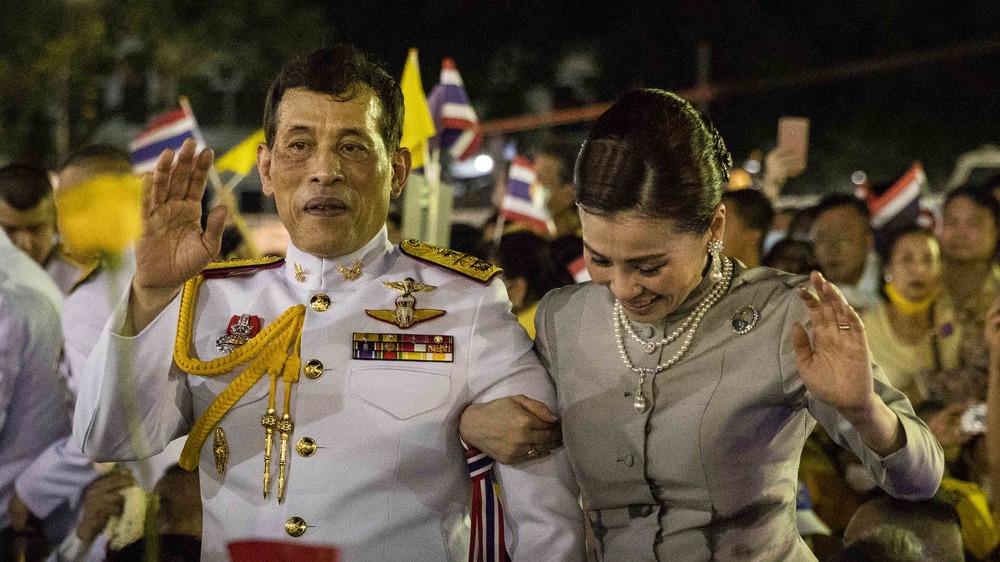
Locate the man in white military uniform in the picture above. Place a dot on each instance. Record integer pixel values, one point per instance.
(33, 411)
(363, 451)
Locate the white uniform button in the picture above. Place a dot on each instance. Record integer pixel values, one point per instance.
(295, 527)
(319, 303)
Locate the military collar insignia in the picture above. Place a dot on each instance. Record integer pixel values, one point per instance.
(745, 319)
(461, 263)
(406, 314)
(351, 273)
(241, 329)
(300, 275)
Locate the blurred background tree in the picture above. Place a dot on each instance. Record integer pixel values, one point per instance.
(80, 70)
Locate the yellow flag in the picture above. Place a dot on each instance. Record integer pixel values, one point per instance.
(241, 158)
(418, 125)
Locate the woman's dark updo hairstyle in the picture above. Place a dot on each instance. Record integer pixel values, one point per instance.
(655, 154)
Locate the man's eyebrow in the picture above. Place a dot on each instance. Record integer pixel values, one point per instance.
(357, 131)
(299, 129)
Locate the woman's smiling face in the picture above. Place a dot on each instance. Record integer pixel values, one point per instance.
(645, 262)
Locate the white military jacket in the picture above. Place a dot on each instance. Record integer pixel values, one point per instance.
(33, 409)
(386, 478)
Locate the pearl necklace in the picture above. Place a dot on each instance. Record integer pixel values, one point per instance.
(690, 324)
(649, 345)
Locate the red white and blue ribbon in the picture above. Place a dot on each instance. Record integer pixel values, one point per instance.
(486, 542)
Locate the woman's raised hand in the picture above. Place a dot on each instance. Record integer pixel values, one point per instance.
(835, 366)
(836, 370)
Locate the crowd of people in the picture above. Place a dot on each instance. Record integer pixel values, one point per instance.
(677, 371)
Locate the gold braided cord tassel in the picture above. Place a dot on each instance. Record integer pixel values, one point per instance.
(268, 351)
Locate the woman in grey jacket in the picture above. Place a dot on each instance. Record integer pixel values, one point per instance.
(687, 384)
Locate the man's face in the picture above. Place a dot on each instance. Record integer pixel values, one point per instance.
(968, 232)
(842, 240)
(33, 230)
(329, 170)
(548, 171)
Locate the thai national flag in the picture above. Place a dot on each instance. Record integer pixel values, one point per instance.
(519, 205)
(454, 117)
(168, 130)
(898, 205)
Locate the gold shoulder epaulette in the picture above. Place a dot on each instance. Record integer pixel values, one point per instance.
(89, 270)
(463, 264)
(231, 268)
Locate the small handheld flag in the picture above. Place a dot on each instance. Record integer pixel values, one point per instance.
(519, 204)
(454, 117)
(241, 158)
(168, 130)
(897, 206)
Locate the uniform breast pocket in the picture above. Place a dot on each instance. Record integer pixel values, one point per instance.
(402, 392)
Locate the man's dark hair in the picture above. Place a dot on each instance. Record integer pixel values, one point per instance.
(838, 200)
(525, 254)
(977, 197)
(888, 543)
(336, 71)
(753, 208)
(23, 187)
(107, 157)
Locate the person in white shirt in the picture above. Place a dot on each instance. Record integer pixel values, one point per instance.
(33, 410)
(372, 351)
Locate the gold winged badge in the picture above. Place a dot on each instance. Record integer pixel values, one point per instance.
(406, 314)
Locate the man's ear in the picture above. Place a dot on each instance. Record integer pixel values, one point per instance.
(264, 167)
(401, 162)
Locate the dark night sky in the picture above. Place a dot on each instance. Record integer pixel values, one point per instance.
(879, 123)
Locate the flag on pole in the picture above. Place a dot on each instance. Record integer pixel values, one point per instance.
(241, 158)
(520, 203)
(168, 130)
(454, 117)
(896, 206)
(418, 125)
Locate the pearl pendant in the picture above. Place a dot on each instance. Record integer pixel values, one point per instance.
(640, 403)
(715, 275)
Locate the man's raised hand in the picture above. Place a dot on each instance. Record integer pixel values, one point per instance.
(173, 246)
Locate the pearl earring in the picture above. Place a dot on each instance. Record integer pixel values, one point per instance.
(715, 251)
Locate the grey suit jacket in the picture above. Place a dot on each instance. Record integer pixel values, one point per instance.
(709, 471)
